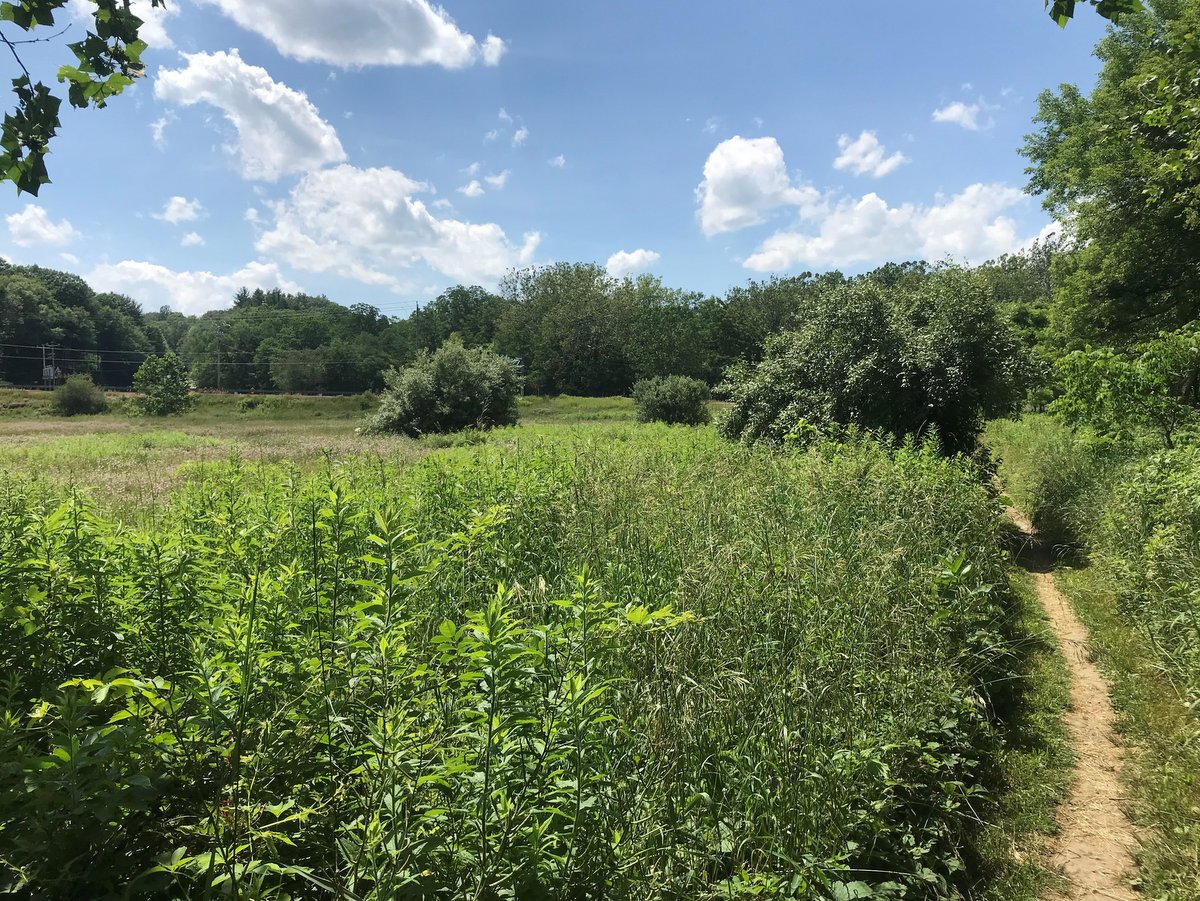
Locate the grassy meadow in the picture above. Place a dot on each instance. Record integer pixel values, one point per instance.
(255, 655)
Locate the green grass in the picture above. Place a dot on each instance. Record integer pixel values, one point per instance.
(603, 661)
(1033, 771)
(1159, 723)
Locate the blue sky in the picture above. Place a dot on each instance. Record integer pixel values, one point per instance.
(381, 150)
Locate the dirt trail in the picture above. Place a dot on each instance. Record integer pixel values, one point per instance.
(1096, 844)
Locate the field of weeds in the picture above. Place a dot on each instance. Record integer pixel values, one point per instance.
(652, 666)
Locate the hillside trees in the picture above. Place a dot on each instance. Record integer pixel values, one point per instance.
(1119, 166)
(100, 334)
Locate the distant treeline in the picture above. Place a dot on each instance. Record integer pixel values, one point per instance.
(574, 328)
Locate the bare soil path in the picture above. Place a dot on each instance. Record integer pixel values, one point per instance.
(1097, 841)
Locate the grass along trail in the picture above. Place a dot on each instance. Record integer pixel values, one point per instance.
(1097, 841)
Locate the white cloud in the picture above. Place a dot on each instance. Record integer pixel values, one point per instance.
(865, 155)
(471, 170)
(33, 227)
(628, 262)
(491, 136)
(499, 180)
(251, 215)
(158, 128)
(354, 33)
(711, 125)
(966, 115)
(559, 161)
(471, 189)
(189, 292)
(366, 224)
(520, 136)
(180, 209)
(69, 258)
(970, 225)
(192, 239)
(279, 130)
(744, 180)
(504, 116)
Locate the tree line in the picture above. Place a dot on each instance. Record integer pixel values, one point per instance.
(574, 328)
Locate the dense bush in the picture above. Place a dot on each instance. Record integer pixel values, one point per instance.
(658, 669)
(674, 399)
(928, 351)
(163, 385)
(1154, 387)
(79, 395)
(451, 389)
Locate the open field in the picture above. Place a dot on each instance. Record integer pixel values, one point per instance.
(577, 658)
(134, 462)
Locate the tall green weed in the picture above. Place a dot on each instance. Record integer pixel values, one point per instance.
(660, 668)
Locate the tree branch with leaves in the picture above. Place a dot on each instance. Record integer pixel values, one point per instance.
(107, 60)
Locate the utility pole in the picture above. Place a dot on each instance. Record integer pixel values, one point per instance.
(50, 371)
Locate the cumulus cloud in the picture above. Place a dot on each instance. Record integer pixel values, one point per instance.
(499, 180)
(353, 33)
(189, 292)
(192, 239)
(559, 161)
(520, 136)
(366, 224)
(180, 209)
(744, 180)
(967, 115)
(471, 189)
(33, 227)
(970, 225)
(279, 130)
(864, 155)
(629, 262)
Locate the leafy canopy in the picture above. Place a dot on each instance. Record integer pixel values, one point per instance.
(1121, 167)
(107, 60)
(1154, 387)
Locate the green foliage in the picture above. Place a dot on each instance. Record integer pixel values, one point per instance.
(451, 389)
(163, 385)
(663, 668)
(1151, 388)
(1062, 11)
(927, 352)
(44, 306)
(79, 395)
(107, 61)
(1118, 167)
(1135, 509)
(672, 399)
